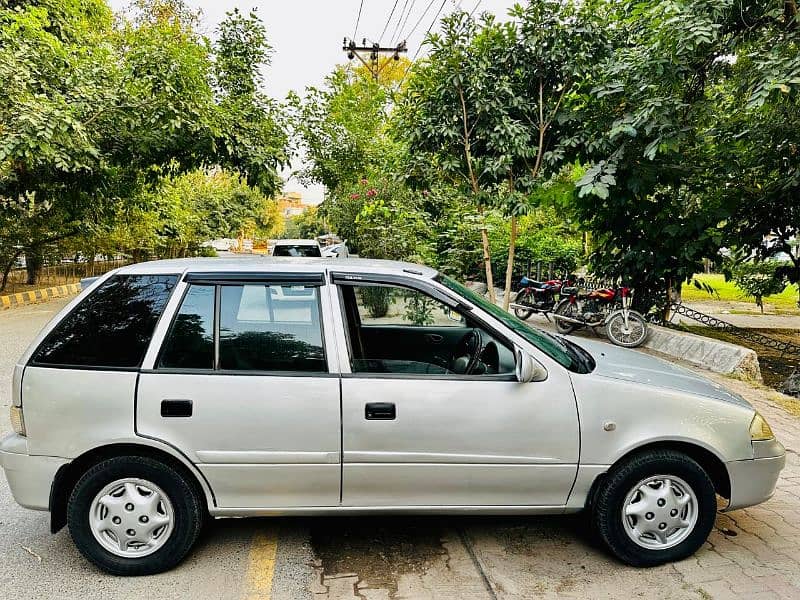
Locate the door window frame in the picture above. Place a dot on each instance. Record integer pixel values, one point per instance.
(361, 280)
(220, 279)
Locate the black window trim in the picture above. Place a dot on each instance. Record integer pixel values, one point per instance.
(135, 369)
(357, 280)
(215, 370)
(245, 277)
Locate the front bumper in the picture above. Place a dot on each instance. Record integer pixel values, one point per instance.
(753, 481)
(29, 477)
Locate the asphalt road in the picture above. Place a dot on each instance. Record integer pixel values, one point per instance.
(753, 552)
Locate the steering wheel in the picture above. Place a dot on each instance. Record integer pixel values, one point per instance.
(467, 352)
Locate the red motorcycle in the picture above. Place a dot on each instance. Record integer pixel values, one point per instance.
(606, 308)
(537, 296)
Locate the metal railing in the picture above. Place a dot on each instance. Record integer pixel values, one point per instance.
(60, 274)
(676, 308)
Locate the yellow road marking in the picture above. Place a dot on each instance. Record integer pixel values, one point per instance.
(261, 567)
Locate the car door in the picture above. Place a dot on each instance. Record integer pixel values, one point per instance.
(245, 385)
(427, 437)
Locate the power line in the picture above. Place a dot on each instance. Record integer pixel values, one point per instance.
(399, 20)
(436, 16)
(358, 19)
(429, 30)
(408, 14)
(425, 12)
(477, 4)
(389, 20)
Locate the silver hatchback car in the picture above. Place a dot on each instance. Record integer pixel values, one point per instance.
(175, 391)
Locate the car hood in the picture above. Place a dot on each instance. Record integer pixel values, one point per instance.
(614, 362)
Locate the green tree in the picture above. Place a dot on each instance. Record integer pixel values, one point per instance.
(691, 129)
(758, 279)
(92, 113)
(455, 103)
(341, 128)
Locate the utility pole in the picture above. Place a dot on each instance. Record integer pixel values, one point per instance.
(370, 55)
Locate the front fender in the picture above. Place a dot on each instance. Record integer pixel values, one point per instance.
(618, 416)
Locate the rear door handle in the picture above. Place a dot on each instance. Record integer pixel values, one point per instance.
(176, 408)
(380, 411)
(434, 338)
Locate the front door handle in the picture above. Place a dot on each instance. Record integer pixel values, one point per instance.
(176, 408)
(380, 411)
(434, 338)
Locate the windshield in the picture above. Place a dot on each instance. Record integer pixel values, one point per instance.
(305, 250)
(563, 351)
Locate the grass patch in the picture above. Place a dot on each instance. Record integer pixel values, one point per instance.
(728, 292)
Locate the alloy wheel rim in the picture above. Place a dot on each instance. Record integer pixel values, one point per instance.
(131, 517)
(660, 512)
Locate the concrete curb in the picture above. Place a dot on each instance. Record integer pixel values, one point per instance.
(717, 356)
(37, 296)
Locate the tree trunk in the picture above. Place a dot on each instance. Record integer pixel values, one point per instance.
(33, 265)
(512, 245)
(7, 270)
(487, 259)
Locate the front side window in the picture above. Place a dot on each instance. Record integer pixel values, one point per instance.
(270, 328)
(112, 327)
(190, 341)
(389, 305)
(404, 331)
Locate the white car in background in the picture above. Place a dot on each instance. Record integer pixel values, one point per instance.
(339, 250)
(297, 248)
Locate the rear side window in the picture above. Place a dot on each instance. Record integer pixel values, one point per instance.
(190, 342)
(270, 328)
(112, 327)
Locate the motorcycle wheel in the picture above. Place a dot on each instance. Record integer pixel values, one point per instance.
(566, 309)
(522, 313)
(632, 336)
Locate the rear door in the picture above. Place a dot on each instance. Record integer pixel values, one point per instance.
(245, 385)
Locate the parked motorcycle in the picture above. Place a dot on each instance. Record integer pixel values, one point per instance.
(608, 308)
(537, 296)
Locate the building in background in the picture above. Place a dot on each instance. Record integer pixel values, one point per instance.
(291, 204)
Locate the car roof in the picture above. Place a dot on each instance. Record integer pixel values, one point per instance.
(278, 264)
(296, 243)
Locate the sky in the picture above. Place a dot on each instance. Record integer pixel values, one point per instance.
(306, 36)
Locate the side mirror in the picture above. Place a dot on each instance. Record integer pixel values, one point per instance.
(528, 368)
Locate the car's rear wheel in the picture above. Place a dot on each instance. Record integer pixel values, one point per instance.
(658, 506)
(132, 515)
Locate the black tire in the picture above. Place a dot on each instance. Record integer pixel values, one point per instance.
(564, 307)
(522, 313)
(185, 501)
(609, 503)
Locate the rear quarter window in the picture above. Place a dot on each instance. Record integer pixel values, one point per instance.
(112, 327)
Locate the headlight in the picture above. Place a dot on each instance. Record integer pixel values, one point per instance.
(17, 420)
(760, 429)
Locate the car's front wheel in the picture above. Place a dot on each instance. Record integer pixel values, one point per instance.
(132, 515)
(658, 506)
